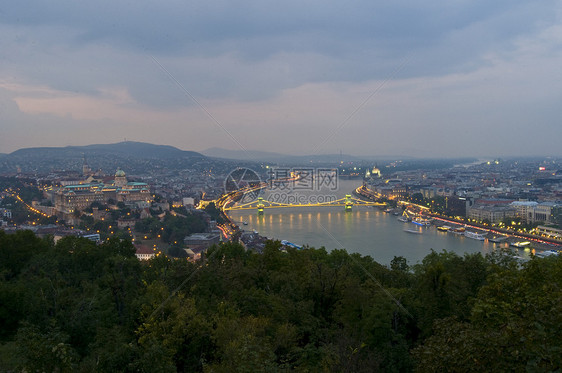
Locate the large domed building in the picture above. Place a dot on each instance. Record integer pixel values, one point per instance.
(375, 173)
(120, 178)
(70, 198)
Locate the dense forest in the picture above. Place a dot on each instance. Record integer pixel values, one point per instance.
(78, 306)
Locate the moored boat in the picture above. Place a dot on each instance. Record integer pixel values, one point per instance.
(421, 222)
(475, 235)
(458, 230)
(497, 239)
(520, 244)
(546, 253)
(287, 243)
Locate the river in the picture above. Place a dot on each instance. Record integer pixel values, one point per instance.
(365, 230)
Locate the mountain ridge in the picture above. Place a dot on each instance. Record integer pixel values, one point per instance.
(136, 156)
(131, 148)
(262, 156)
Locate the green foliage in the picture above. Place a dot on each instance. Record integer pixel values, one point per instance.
(214, 213)
(446, 285)
(514, 325)
(149, 225)
(177, 227)
(17, 249)
(45, 350)
(399, 263)
(173, 229)
(78, 306)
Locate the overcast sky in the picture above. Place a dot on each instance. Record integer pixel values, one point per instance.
(365, 77)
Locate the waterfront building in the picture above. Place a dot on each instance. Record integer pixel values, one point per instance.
(534, 212)
(524, 209)
(542, 213)
(390, 191)
(494, 214)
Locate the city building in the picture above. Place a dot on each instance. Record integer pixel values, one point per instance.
(494, 214)
(535, 212)
(71, 198)
(144, 252)
(5, 213)
(542, 213)
(202, 240)
(524, 209)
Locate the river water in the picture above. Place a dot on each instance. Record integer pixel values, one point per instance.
(365, 230)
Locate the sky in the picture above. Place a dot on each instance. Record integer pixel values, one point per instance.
(365, 77)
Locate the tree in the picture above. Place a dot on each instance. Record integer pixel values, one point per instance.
(214, 213)
(45, 351)
(513, 326)
(399, 263)
(445, 284)
(173, 324)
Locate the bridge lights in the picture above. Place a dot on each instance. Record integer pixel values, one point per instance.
(348, 203)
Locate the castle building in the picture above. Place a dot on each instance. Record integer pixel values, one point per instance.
(77, 197)
(120, 179)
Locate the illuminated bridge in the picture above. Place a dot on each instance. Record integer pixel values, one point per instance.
(260, 204)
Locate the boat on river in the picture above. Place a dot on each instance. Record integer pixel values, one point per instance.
(475, 235)
(458, 230)
(544, 254)
(413, 231)
(421, 222)
(520, 244)
(287, 243)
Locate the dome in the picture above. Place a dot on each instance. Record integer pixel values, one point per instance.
(120, 173)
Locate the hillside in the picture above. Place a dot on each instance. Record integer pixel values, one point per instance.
(254, 155)
(125, 148)
(130, 154)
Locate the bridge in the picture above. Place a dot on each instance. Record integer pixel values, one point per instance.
(261, 204)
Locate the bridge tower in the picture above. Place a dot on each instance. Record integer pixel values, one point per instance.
(348, 202)
(260, 205)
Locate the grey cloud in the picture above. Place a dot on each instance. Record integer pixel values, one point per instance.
(195, 28)
(251, 51)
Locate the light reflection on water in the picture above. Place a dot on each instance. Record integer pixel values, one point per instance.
(365, 230)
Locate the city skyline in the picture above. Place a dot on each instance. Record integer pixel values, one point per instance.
(469, 79)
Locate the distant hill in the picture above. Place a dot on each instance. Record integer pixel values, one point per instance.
(261, 156)
(134, 156)
(241, 154)
(125, 148)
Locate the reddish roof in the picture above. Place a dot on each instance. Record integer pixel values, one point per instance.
(142, 249)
